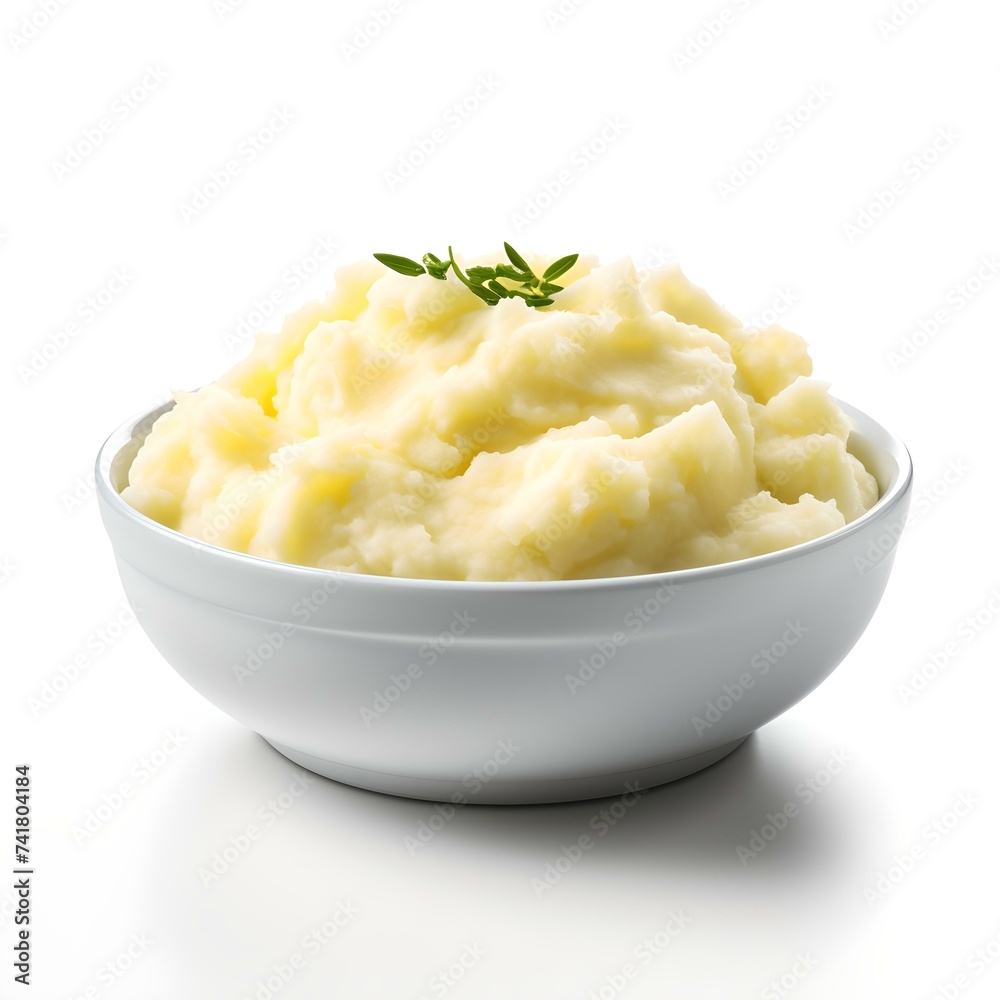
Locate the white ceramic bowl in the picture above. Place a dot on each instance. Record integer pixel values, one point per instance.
(506, 692)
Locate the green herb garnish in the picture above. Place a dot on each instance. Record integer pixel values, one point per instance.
(484, 282)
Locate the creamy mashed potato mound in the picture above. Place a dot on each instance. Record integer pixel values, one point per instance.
(401, 427)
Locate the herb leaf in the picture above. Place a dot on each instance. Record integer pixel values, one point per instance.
(516, 259)
(490, 298)
(481, 273)
(561, 266)
(436, 267)
(506, 271)
(401, 264)
(483, 281)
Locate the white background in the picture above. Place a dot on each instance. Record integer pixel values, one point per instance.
(649, 188)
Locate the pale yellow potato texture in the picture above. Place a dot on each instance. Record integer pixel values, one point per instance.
(402, 427)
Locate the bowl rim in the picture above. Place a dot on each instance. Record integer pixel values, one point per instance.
(866, 427)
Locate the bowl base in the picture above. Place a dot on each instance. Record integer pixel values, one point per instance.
(500, 791)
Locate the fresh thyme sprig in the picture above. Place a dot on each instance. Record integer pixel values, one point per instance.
(485, 281)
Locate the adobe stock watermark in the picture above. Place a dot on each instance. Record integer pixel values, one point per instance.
(600, 824)
(804, 794)
(761, 662)
(559, 13)
(80, 492)
(429, 310)
(937, 661)
(977, 963)
(455, 116)
(86, 313)
(122, 107)
(758, 154)
(605, 650)
(111, 972)
(931, 493)
(954, 302)
(652, 258)
(273, 982)
(384, 359)
(446, 979)
(537, 543)
(98, 816)
(93, 647)
(8, 906)
(247, 151)
(711, 29)
(427, 655)
(467, 447)
(239, 843)
(922, 502)
(34, 23)
(581, 159)
(885, 197)
(802, 965)
(228, 512)
(369, 30)
(898, 16)
(587, 326)
(473, 782)
(226, 8)
(932, 836)
(642, 955)
(257, 657)
(265, 306)
(780, 304)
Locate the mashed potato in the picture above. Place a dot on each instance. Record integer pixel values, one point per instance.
(404, 428)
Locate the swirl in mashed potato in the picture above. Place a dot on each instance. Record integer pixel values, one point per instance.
(401, 427)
